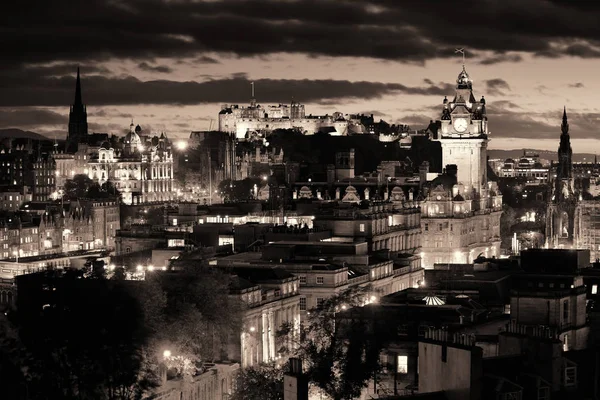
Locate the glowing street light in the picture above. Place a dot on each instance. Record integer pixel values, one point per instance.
(167, 353)
(139, 268)
(181, 145)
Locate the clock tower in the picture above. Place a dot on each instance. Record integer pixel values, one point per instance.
(464, 135)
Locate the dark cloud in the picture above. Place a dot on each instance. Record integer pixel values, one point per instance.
(403, 31)
(144, 66)
(206, 60)
(99, 90)
(500, 58)
(497, 87)
(576, 85)
(30, 117)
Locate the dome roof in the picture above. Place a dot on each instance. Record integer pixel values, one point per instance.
(132, 138)
(432, 300)
(463, 78)
(138, 129)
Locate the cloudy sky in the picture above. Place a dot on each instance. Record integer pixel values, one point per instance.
(170, 64)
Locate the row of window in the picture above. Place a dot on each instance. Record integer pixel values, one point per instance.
(320, 280)
(303, 306)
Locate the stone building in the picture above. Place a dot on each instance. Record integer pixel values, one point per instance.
(461, 208)
(43, 179)
(271, 298)
(383, 225)
(27, 167)
(244, 121)
(528, 167)
(140, 167)
(106, 216)
(551, 292)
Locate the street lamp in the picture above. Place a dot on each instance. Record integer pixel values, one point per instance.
(167, 353)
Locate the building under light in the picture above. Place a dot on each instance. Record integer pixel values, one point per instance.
(461, 211)
(140, 167)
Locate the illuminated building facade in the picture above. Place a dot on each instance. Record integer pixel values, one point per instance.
(245, 121)
(140, 167)
(461, 208)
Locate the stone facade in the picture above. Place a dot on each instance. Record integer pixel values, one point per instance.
(461, 209)
(246, 121)
(141, 167)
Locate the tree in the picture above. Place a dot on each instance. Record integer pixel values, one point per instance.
(341, 355)
(238, 191)
(88, 342)
(78, 186)
(199, 314)
(507, 220)
(104, 191)
(262, 382)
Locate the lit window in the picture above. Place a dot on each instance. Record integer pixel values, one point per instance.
(594, 289)
(362, 227)
(402, 365)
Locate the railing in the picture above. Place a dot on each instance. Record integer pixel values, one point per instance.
(358, 279)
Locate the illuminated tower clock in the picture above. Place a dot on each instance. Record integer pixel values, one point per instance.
(464, 134)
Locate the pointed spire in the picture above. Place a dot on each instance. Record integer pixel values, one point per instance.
(564, 127)
(78, 100)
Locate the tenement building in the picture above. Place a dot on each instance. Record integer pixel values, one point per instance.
(461, 208)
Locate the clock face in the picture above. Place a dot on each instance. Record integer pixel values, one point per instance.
(460, 125)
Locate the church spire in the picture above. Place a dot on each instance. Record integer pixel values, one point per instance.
(564, 127)
(78, 101)
(78, 128)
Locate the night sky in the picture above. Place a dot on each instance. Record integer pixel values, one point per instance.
(170, 65)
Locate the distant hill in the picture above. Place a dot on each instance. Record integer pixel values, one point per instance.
(15, 133)
(544, 154)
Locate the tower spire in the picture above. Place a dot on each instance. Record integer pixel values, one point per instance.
(564, 127)
(78, 100)
(78, 128)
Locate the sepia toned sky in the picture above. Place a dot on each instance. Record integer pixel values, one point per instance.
(170, 64)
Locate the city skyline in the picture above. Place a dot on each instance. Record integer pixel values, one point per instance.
(395, 61)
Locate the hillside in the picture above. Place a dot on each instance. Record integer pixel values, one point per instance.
(544, 154)
(15, 133)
